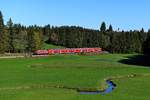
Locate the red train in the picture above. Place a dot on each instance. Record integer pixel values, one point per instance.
(67, 51)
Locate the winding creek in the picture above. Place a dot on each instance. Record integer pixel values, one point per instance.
(109, 81)
(110, 88)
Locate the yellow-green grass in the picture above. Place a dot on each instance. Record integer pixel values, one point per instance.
(31, 78)
(50, 46)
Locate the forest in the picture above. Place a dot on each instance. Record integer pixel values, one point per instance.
(17, 38)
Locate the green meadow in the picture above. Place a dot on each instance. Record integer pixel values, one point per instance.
(50, 46)
(34, 78)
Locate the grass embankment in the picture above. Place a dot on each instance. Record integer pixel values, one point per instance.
(31, 78)
(51, 46)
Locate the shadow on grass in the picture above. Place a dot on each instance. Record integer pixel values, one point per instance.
(140, 60)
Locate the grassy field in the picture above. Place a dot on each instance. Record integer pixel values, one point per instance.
(51, 46)
(30, 78)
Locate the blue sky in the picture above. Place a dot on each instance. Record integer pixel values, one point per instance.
(123, 14)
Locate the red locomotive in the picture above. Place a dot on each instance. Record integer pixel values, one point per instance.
(67, 51)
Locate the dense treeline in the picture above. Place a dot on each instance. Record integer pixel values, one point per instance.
(21, 39)
(74, 37)
(113, 41)
(15, 38)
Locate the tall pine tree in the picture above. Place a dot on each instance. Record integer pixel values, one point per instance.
(10, 35)
(110, 28)
(3, 36)
(103, 27)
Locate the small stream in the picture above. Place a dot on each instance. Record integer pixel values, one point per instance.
(111, 87)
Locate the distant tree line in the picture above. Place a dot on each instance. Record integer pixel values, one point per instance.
(108, 39)
(16, 38)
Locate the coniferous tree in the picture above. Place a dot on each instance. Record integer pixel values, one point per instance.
(34, 39)
(3, 35)
(79, 38)
(142, 30)
(47, 30)
(103, 27)
(10, 35)
(104, 37)
(20, 38)
(110, 28)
